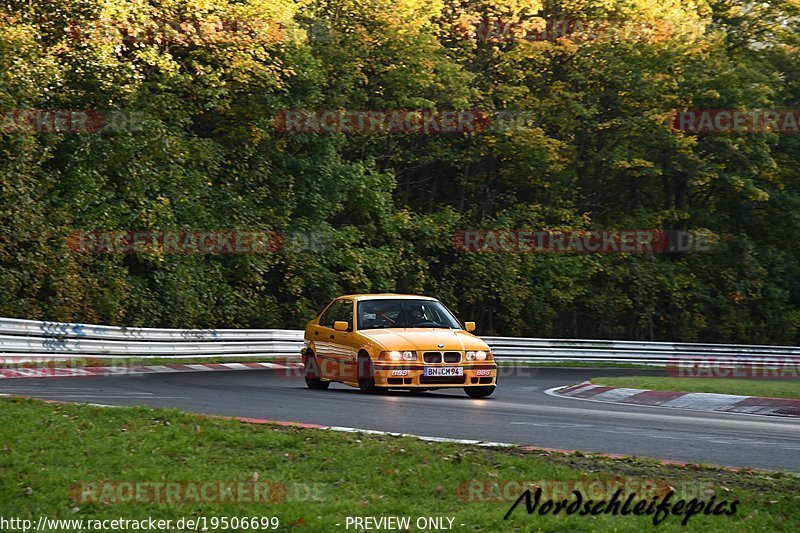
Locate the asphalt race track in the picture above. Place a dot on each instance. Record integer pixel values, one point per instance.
(519, 412)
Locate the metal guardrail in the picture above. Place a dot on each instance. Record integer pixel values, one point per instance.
(636, 352)
(34, 328)
(59, 339)
(34, 339)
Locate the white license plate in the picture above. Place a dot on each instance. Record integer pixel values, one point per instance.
(443, 371)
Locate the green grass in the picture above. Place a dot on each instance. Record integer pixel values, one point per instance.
(745, 387)
(47, 448)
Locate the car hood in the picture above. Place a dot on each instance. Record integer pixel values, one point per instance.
(422, 339)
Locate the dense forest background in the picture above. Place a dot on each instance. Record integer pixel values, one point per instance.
(382, 209)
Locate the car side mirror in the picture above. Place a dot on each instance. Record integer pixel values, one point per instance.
(469, 326)
(341, 325)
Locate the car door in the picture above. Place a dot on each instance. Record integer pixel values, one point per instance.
(343, 344)
(332, 351)
(321, 337)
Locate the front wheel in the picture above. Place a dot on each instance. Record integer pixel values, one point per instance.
(366, 376)
(479, 392)
(312, 375)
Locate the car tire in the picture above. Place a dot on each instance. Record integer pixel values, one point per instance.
(479, 392)
(312, 375)
(366, 375)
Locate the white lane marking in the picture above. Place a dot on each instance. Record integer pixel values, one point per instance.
(48, 392)
(442, 439)
(77, 396)
(367, 431)
(728, 418)
(685, 436)
(490, 444)
(83, 393)
(487, 444)
(655, 433)
(564, 425)
(10, 387)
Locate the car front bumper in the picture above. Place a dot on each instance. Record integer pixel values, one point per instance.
(412, 376)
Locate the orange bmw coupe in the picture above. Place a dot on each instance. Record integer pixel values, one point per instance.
(396, 341)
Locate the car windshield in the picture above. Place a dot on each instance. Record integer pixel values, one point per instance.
(404, 313)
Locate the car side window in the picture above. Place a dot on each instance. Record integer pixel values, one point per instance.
(326, 320)
(340, 310)
(347, 312)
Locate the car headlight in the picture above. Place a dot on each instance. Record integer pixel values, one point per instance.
(401, 356)
(478, 355)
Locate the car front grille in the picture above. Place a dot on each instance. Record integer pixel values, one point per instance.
(432, 357)
(438, 357)
(452, 357)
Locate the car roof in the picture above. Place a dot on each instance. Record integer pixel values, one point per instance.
(386, 296)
